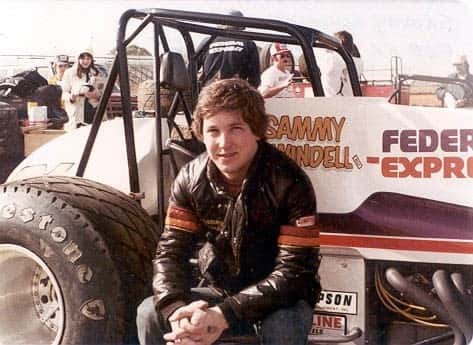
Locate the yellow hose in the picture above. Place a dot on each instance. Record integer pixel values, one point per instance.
(389, 301)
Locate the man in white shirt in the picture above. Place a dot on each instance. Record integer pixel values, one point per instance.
(346, 39)
(276, 80)
(335, 78)
(331, 67)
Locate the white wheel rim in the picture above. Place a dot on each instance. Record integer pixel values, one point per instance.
(31, 300)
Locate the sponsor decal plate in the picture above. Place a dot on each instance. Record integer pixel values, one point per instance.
(338, 302)
(326, 324)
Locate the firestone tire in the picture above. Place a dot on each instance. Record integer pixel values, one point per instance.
(75, 261)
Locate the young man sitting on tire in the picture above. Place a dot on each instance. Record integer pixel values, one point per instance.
(252, 211)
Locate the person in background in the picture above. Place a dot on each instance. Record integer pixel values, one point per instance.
(251, 212)
(346, 39)
(454, 95)
(276, 79)
(59, 66)
(334, 73)
(231, 58)
(80, 92)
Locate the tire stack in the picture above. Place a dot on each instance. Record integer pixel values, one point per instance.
(11, 140)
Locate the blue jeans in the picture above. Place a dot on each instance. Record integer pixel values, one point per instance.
(288, 326)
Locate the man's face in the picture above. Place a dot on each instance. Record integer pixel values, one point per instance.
(230, 144)
(284, 60)
(461, 68)
(61, 67)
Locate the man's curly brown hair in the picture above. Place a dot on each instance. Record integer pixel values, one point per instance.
(231, 95)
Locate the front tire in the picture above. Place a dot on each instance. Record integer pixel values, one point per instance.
(75, 261)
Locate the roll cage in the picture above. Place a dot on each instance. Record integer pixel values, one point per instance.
(213, 25)
(402, 79)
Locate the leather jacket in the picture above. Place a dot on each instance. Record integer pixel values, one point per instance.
(264, 242)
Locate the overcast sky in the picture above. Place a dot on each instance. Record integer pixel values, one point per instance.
(426, 34)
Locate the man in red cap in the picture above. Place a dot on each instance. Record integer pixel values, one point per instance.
(276, 79)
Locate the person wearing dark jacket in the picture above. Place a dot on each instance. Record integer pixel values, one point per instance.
(250, 211)
(231, 58)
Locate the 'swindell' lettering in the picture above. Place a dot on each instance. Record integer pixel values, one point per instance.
(311, 129)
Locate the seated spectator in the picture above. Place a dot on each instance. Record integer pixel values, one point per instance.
(455, 95)
(60, 64)
(276, 80)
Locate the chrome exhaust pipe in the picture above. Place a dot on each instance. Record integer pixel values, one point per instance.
(413, 292)
(452, 300)
(457, 279)
(467, 299)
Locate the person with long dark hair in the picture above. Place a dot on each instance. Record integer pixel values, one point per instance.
(80, 92)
